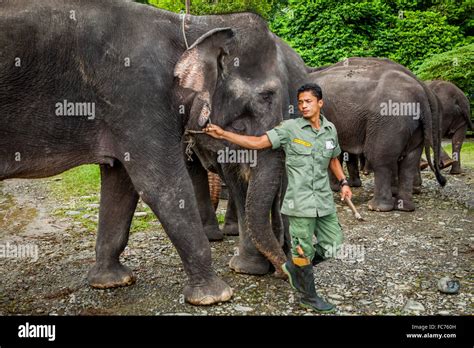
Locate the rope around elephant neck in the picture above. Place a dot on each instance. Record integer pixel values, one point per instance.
(184, 31)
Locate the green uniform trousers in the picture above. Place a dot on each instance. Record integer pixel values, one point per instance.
(327, 230)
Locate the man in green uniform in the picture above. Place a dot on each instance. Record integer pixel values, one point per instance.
(311, 147)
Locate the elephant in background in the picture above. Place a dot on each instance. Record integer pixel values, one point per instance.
(455, 119)
(364, 98)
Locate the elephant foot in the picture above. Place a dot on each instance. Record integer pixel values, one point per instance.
(377, 205)
(113, 276)
(231, 229)
(404, 204)
(416, 190)
(279, 274)
(394, 191)
(213, 233)
(355, 182)
(212, 291)
(256, 265)
(455, 169)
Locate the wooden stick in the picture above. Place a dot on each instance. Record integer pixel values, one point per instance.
(353, 208)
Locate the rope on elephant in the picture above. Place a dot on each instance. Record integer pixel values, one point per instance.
(190, 142)
(184, 31)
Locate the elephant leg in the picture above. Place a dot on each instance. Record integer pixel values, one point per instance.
(278, 225)
(382, 200)
(445, 160)
(231, 224)
(118, 201)
(199, 177)
(408, 169)
(247, 259)
(417, 182)
(364, 164)
(394, 181)
(164, 184)
(457, 141)
(353, 169)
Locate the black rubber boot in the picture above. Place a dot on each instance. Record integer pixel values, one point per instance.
(295, 277)
(302, 280)
(310, 298)
(317, 259)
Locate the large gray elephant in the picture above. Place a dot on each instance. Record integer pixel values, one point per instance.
(455, 119)
(115, 83)
(256, 191)
(454, 113)
(380, 109)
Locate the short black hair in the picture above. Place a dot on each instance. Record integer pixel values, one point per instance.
(313, 88)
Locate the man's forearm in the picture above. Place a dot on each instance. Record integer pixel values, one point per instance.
(336, 169)
(247, 141)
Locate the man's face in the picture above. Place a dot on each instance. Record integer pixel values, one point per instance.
(308, 105)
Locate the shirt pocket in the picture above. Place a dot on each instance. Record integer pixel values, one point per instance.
(298, 155)
(327, 153)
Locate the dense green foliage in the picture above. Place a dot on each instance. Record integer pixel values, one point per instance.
(456, 66)
(266, 8)
(328, 31)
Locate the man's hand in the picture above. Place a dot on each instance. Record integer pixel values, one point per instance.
(346, 192)
(214, 131)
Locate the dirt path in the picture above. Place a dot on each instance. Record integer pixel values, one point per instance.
(391, 264)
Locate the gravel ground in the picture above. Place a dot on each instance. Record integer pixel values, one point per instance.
(392, 263)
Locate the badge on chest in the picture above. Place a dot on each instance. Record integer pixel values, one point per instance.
(330, 145)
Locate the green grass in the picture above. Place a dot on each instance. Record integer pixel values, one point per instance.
(79, 181)
(467, 154)
(220, 218)
(79, 187)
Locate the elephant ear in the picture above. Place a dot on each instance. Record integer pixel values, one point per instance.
(199, 68)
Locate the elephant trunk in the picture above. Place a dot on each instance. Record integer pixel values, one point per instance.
(264, 185)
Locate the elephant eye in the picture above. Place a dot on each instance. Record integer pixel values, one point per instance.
(267, 96)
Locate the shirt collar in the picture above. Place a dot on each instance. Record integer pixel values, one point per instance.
(324, 123)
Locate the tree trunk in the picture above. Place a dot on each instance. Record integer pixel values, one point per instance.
(188, 6)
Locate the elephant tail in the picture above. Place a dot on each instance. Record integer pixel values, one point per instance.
(469, 122)
(432, 134)
(467, 115)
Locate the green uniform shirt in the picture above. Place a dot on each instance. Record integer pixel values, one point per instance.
(308, 152)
